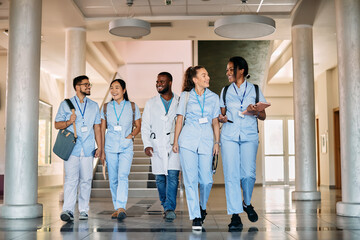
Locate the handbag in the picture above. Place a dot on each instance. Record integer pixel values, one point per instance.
(65, 140)
(215, 163)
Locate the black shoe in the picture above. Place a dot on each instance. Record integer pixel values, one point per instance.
(203, 214)
(196, 225)
(252, 215)
(235, 224)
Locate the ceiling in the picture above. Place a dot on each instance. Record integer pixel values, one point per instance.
(153, 8)
(185, 20)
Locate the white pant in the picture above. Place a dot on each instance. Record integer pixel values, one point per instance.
(78, 169)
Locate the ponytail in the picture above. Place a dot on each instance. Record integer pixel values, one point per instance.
(190, 73)
(123, 86)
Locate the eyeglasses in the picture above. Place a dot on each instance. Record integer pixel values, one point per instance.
(86, 84)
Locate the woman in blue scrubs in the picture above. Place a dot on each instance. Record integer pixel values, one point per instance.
(195, 140)
(239, 140)
(118, 143)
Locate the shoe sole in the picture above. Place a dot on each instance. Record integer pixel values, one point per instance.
(66, 218)
(170, 218)
(253, 218)
(121, 216)
(237, 228)
(83, 218)
(197, 228)
(113, 217)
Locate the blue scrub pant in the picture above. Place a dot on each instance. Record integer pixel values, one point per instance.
(167, 186)
(118, 165)
(239, 164)
(197, 172)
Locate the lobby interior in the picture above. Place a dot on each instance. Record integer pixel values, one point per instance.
(293, 200)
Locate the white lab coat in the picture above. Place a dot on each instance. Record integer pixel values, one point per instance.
(156, 124)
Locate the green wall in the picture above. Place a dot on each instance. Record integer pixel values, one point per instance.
(214, 55)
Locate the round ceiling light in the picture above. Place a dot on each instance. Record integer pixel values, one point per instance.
(129, 27)
(244, 26)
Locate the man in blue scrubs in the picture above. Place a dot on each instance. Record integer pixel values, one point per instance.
(79, 167)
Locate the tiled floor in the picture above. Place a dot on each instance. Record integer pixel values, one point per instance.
(279, 218)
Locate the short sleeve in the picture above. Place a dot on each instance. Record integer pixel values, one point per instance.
(61, 114)
(102, 114)
(137, 112)
(222, 104)
(216, 111)
(261, 96)
(180, 109)
(97, 116)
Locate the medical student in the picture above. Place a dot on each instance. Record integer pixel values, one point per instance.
(199, 108)
(79, 167)
(118, 143)
(239, 140)
(156, 130)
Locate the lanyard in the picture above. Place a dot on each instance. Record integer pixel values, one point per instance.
(118, 117)
(241, 100)
(166, 108)
(82, 113)
(202, 107)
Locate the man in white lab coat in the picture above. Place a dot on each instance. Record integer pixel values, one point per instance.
(156, 131)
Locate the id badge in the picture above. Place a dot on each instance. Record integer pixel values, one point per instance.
(84, 129)
(241, 114)
(117, 128)
(164, 118)
(203, 120)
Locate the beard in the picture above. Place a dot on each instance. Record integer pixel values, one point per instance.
(165, 90)
(85, 93)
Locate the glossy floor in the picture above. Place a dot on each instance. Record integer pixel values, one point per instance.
(279, 218)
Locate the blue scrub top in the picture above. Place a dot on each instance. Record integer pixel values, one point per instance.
(85, 140)
(195, 136)
(242, 129)
(115, 141)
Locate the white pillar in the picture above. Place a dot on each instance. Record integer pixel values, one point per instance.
(75, 63)
(22, 111)
(348, 42)
(75, 57)
(304, 114)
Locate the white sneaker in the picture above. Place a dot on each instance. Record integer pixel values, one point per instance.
(83, 216)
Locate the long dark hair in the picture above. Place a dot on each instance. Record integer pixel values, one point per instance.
(240, 63)
(190, 73)
(123, 86)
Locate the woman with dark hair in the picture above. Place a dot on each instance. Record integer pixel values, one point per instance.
(195, 140)
(239, 139)
(118, 116)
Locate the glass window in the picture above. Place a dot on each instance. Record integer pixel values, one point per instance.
(45, 126)
(273, 137)
(274, 169)
(291, 137)
(291, 168)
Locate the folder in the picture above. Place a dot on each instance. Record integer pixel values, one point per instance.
(260, 105)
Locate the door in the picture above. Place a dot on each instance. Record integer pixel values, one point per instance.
(337, 149)
(279, 151)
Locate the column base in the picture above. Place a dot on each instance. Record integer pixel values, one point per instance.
(306, 195)
(21, 211)
(348, 209)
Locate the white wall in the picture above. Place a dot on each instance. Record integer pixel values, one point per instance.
(326, 100)
(145, 59)
(3, 70)
(51, 92)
